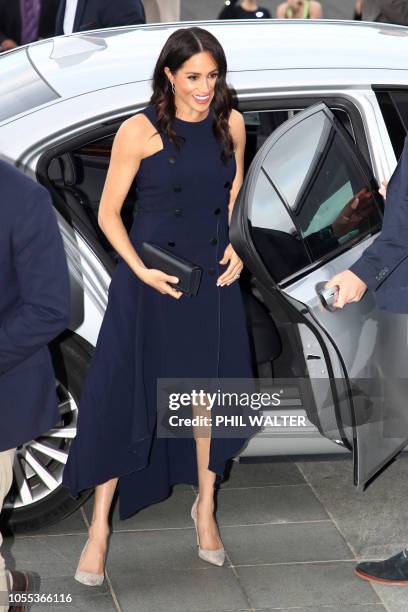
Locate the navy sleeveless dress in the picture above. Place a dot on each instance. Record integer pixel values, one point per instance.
(182, 206)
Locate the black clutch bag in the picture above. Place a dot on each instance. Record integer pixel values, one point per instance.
(189, 274)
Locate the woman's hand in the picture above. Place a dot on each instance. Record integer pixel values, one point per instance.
(160, 281)
(233, 271)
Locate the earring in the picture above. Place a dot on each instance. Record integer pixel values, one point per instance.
(173, 88)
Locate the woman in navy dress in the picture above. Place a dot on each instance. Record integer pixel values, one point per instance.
(186, 150)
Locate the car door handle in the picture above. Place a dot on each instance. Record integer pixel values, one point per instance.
(327, 296)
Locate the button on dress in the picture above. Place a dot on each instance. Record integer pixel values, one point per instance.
(182, 206)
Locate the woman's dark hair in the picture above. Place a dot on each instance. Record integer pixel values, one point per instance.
(180, 46)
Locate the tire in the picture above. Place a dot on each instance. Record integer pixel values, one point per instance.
(50, 504)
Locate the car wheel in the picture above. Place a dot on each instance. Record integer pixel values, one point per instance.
(37, 498)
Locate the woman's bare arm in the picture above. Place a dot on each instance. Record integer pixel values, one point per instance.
(127, 152)
(281, 11)
(134, 141)
(235, 265)
(316, 11)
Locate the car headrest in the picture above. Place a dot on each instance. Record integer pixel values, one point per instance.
(69, 171)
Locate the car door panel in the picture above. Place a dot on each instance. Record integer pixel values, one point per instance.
(307, 210)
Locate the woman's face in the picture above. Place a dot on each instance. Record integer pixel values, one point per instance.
(195, 82)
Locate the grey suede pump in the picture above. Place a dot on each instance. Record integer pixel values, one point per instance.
(217, 556)
(88, 578)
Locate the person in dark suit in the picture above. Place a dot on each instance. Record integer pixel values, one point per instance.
(383, 268)
(34, 309)
(26, 21)
(81, 15)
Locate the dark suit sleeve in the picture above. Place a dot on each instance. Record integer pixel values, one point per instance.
(123, 12)
(59, 20)
(42, 272)
(390, 248)
(9, 14)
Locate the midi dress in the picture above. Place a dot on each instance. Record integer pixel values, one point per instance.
(182, 206)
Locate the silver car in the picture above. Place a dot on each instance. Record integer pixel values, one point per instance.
(326, 112)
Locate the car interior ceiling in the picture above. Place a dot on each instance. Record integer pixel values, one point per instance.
(79, 175)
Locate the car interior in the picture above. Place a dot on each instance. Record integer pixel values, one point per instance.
(76, 177)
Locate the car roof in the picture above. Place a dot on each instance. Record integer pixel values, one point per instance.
(80, 63)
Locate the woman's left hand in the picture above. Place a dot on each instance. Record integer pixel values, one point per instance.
(234, 269)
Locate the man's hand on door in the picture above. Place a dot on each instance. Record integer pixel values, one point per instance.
(350, 288)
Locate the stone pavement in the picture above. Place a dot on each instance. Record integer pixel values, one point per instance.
(293, 532)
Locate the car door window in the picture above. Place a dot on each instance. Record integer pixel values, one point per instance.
(312, 198)
(274, 233)
(394, 108)
(261, 124)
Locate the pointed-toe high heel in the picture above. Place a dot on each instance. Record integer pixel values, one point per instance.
(217, 556)
(88, 578)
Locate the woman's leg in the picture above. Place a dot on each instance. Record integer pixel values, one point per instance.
(207, 527)
(93, 558)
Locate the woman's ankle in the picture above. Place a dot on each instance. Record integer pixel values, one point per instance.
(206, 505)
(98, 531)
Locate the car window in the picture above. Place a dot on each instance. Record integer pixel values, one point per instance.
(394, 108)
(260, 125)
(274, 233)
(92, 162)
(312, 195)
(80, 175)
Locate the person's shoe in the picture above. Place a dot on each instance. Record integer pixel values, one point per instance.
(217, 556)
(21, 581)
(88, 578)
(390, 571)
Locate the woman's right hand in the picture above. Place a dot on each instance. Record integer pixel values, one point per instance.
(160, 281)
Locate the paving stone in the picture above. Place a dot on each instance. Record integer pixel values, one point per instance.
(257, 544)
(276, 504)
(374, 522)
(306, 584)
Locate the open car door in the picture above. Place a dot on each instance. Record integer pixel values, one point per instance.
(308, 209)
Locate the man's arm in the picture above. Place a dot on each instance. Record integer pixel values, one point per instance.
(122, 13)
(42, 273)
(369, 271)
(390, 247)
(379, 260)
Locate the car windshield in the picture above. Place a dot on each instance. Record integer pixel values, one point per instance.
(21, 87)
